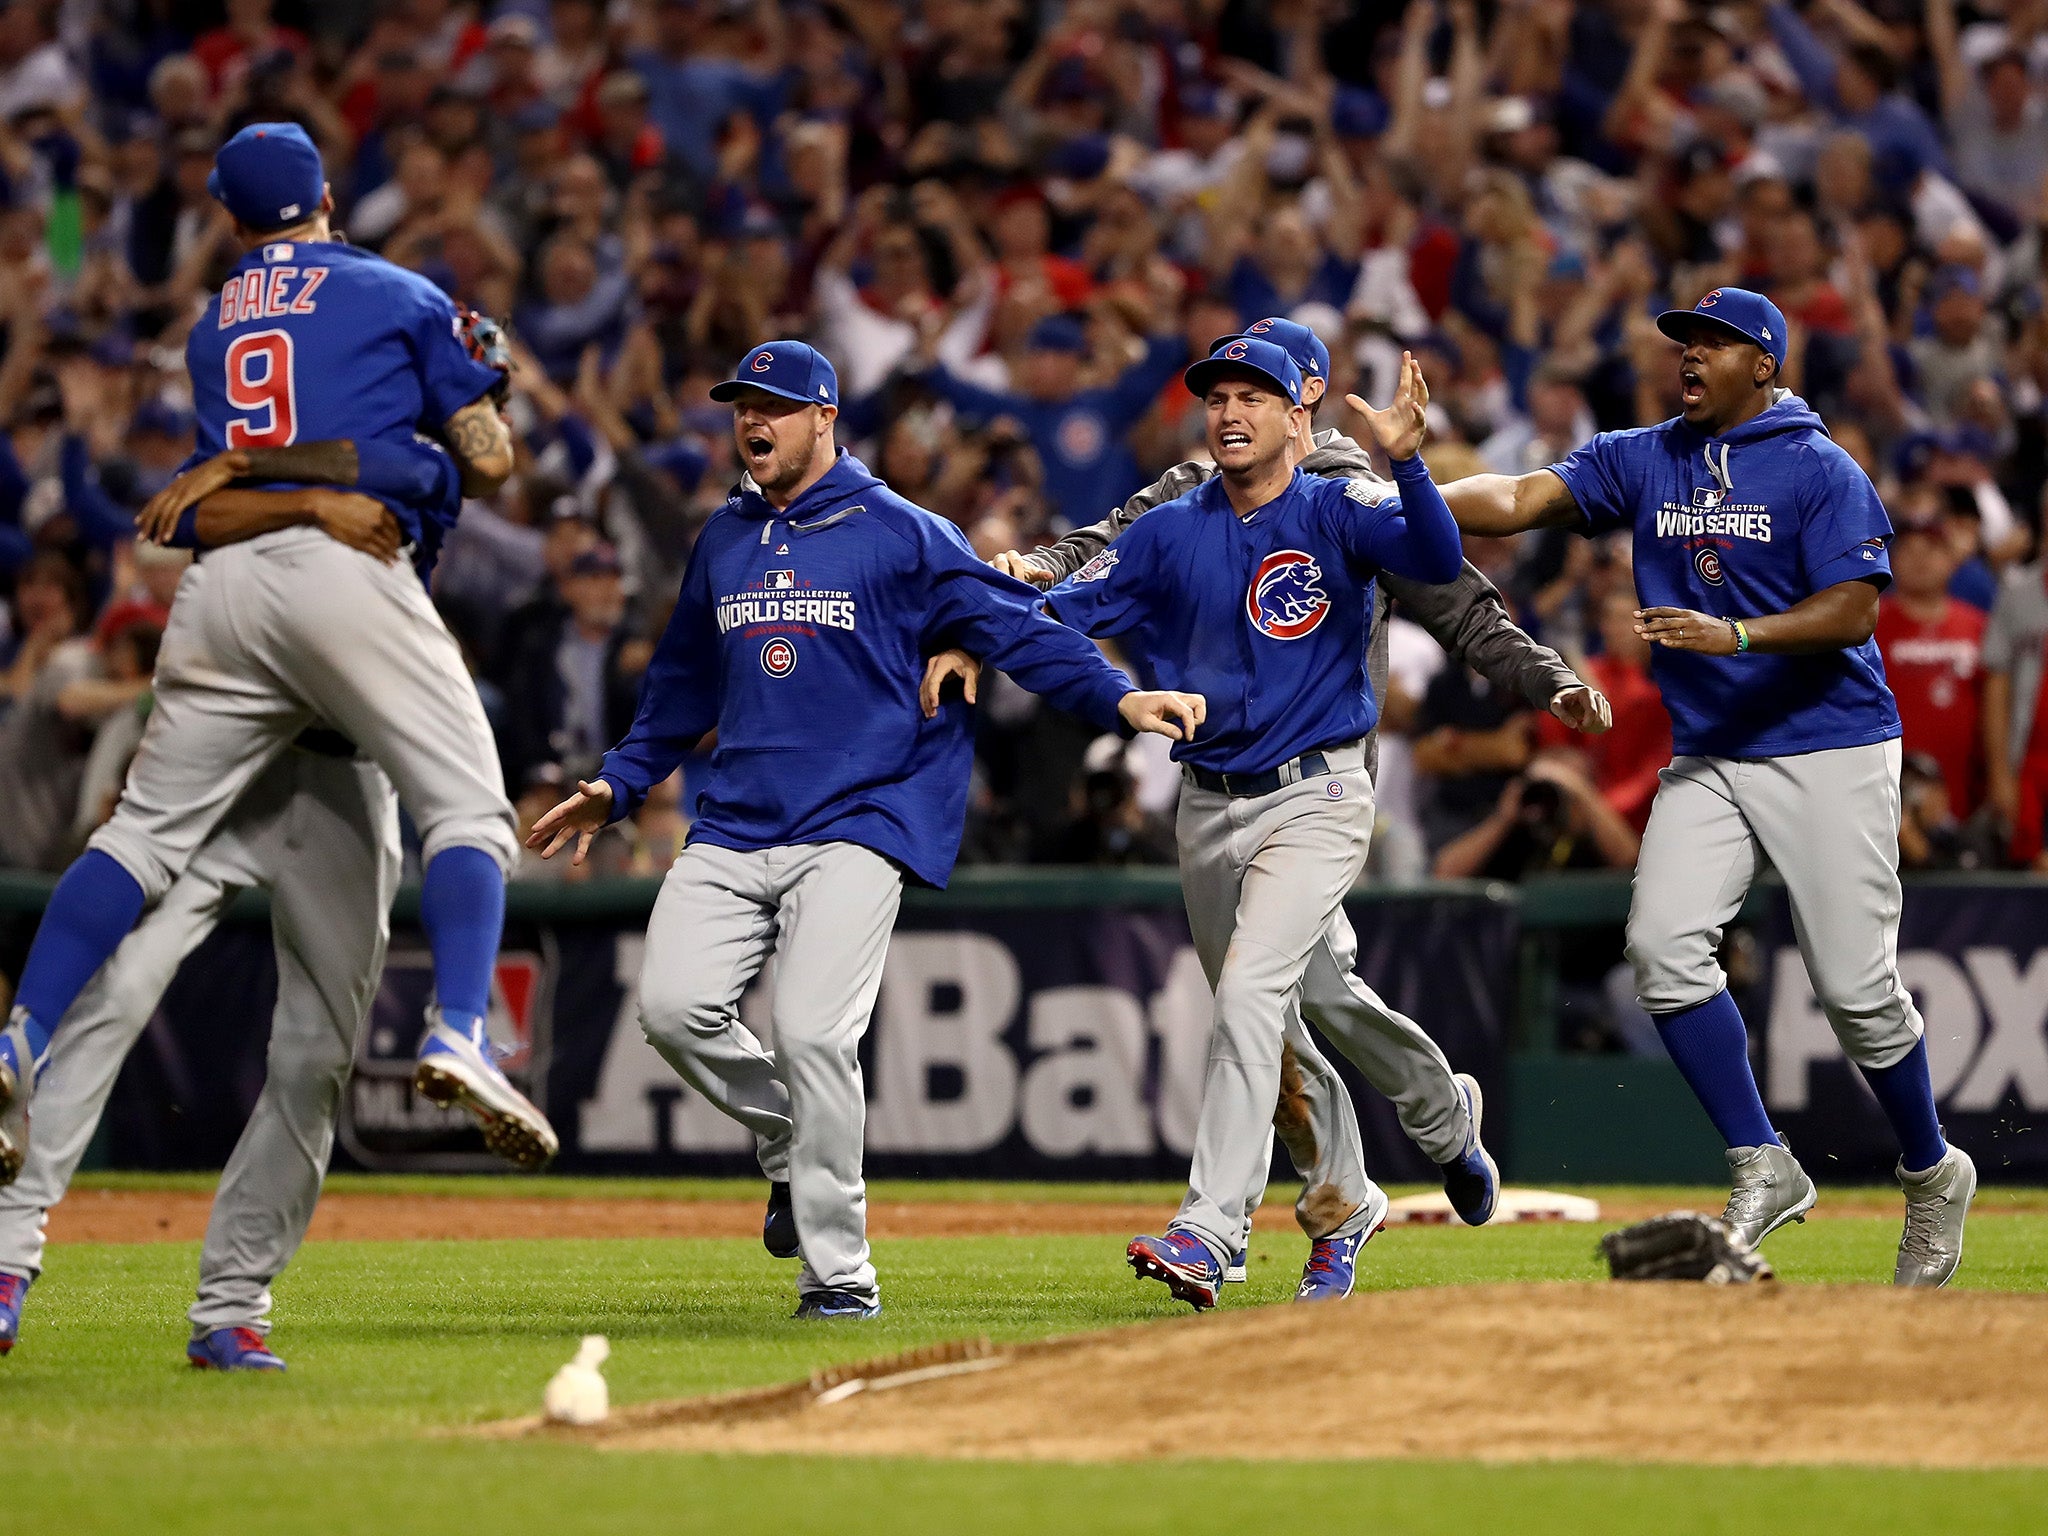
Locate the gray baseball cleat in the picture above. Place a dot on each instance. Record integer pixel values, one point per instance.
(1770, 1190)
(1937, 1202)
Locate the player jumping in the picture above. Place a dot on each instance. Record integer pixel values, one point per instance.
(810, 604)
(1257, 588)
(310, 338)
(1760, 549)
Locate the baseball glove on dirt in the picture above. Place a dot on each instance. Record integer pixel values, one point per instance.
(1683, 1246)
(486, 341)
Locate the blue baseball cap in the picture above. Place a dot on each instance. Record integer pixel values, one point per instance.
(1749, 315)
(1246, 354)
(1293, 338)
(786, 368)
(1058, 333)
(268, 176)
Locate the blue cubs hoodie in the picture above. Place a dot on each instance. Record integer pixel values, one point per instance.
(1747, 523)
(801, 635)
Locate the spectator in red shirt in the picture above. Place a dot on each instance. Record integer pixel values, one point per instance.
(1932, 647)
(1626, 760)
(249, 35)
(1023, 242)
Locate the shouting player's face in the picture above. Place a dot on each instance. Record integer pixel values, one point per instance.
(1250, 424)
(779, 440)
(1719, 375)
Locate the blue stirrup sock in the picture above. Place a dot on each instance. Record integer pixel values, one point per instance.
(91, 911)
(462, 908)
(1906, 1095)
(1711, 1047)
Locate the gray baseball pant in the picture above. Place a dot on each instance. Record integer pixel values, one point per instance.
(825, 910)
(1263, 878)
(322, 834)
(267, 637)
(1829, 822)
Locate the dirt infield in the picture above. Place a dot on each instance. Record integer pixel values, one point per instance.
(176, 1216)
(1683, 1373)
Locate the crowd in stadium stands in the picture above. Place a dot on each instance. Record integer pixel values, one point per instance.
(1010, 225)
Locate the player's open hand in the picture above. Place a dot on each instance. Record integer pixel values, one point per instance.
(359, 521)
(939, 670)
(1010, 563)
(582, 816)
(1172, 715)
(158, 520)
(1681, 629)
(1583, 709)
(1399, 428)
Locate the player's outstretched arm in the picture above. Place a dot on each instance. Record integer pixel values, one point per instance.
(1056, 562)
(414, 473)
(481, 441)
(1494, 506)
(1836, 618)
(581, 817)
(1468, 619)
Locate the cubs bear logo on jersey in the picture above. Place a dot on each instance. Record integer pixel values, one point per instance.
(1285, 599)
(1708, 563)
(778, 657)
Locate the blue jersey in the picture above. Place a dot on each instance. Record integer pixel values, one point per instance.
(1267, 616)
(1747, 523)
(801, 635)
(313, 340)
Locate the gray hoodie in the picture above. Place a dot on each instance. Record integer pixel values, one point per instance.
(1467, 617)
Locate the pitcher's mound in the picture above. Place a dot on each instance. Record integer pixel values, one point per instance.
(1668, 1372)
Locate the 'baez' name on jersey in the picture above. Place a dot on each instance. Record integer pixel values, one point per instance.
(1748, 520)
(826, 610)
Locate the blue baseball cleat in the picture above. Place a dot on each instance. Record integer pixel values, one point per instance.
(1234, 1271)
(1182, 1263)
(1472, 1181)
(1332, 1268)
(778, 1225)
(827, 1306)
(13, 1292)
(232, 1349)
(17, 1086)
(455, 1069)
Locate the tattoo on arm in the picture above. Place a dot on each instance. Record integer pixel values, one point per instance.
(482, 445)
(328, 463)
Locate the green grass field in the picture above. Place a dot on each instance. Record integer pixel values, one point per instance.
(392, 1344)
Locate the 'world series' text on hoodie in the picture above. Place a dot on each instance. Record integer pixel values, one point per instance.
(1751, 522)
(802, 636)
(1266, 615)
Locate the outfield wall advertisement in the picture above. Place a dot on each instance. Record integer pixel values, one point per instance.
(1032, 1042)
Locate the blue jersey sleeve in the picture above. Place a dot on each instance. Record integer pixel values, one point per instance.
(998, 618)
(1412, 534)
(1844, 534)
(678, 698)
(1111, 594)
(449, 377)
(1599, 477)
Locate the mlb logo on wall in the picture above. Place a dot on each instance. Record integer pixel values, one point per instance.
(778, 657)
(1285, 599)
(781, 581)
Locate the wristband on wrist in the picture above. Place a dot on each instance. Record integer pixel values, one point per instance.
(1741, 636)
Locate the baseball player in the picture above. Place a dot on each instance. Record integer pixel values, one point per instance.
(1257, 588)
(1760, 549)
(310, 338)
(318, 830)
(810, 603)
(1439, 1110)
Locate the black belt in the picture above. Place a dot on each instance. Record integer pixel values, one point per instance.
(324, 741)
(1312, 765)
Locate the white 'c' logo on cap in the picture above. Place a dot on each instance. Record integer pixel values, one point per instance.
(761, 361)
(1237, 351)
